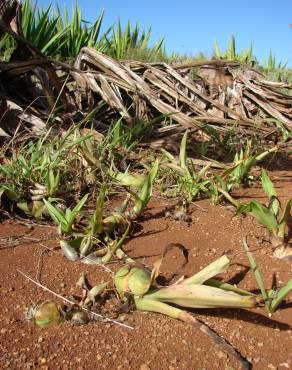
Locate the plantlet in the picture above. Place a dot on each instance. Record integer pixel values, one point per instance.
(269, 216)
(218, 188)
(65, 220)
(244, 160)
(272, 298)
(145, 186)
(97, 239)
(190, 182)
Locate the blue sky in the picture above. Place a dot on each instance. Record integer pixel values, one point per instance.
(192, 26)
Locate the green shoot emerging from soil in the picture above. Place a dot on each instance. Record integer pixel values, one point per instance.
(269, 216)
(272, 298)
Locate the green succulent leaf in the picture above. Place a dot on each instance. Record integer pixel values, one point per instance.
(270, 191)
(261, 213)
(280, 296)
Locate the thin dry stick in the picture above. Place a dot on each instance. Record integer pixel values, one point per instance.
(40, 264)
(221, 342)
(72, 303)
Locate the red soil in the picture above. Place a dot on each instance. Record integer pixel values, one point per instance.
(156, 342)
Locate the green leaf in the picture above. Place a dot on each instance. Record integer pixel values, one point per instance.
(71, 215)
(256, 272)
(96, 220)
(261, 213)
(281, 295)
(80, 204)
(270, 191)
(225, 286)
(57, 216)
(213, 269)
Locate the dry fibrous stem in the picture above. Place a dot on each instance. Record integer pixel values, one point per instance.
(222, 94)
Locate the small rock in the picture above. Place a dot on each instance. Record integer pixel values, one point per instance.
(272, 367)
(285, 364)
(144, 367)
(221, 355)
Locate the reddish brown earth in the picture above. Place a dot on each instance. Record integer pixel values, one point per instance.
(156, 341)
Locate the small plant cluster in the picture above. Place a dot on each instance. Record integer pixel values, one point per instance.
(191, 183)
(37, 176)
(95, 239)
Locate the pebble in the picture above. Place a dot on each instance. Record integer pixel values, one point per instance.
(285, 364)
(221, 355)
(272, 367)
(144, 367)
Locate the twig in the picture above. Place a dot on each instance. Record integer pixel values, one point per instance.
(40, 263)
(221, 342)
(72, 303)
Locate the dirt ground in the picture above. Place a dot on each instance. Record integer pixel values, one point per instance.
(156, 342)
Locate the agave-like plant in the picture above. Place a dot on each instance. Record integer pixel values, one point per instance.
(40, 27)
(80, 33)
(246, 56)
(56, 34)
(201, 290)
(271, 63)
(269, 216)
(124, 42)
